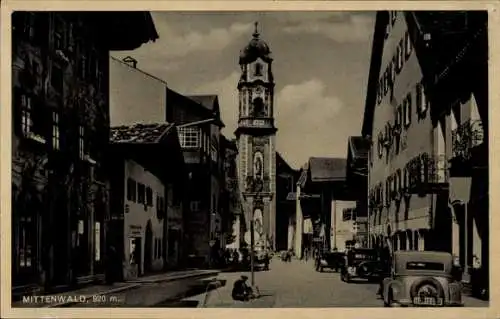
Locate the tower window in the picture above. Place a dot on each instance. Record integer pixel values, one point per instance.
(258, 107)
(258, 69)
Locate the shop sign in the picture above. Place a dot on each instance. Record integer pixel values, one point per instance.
(135, 230)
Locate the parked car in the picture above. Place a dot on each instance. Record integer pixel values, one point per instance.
(331, 260)
(422, 279)
(361, 263)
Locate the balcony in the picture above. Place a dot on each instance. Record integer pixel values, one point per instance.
(256, 122)
(427, 174)
(467, 141)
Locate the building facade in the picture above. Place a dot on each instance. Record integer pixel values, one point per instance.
(137, 97)
(402, 140)
(357, 184)
(343, 226)
(199, 126)
(233, 222)
(286, 179)
(60, 132)
(256, 139)
(459, 109)
(426, 114)
(146, 178)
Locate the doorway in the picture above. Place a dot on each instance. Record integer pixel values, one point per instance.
(148, 248)
(173, 246)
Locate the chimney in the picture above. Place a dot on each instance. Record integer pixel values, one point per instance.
(130, 61)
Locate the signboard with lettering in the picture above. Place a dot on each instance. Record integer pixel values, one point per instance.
(135, 230)
(258, 122)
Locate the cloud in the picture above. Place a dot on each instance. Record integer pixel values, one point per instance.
(175, 43)
(226, 89)
(341, 27)
(305, 117)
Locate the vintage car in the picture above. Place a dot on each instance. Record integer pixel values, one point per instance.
(360, 263)
(330, 260)
(422, 279)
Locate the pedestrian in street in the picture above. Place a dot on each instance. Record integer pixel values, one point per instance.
(111, 262)
(241, 290)
(385, 257)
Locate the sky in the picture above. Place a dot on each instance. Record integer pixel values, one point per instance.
(321, 63)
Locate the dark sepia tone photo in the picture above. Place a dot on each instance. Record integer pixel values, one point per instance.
(250, 159)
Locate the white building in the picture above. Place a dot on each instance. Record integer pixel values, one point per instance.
(343, 223)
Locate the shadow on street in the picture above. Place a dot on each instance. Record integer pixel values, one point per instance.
(202, 287)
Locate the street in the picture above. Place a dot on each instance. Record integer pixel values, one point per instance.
(297, 284)
(285, 285)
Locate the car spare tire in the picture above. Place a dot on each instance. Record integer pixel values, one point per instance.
(427, 287)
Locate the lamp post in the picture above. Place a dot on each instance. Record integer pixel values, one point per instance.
(256, 190)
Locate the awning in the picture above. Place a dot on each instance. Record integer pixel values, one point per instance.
(460, 189)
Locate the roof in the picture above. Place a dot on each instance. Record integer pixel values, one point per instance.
(359, 146)
(123, 31)
(327, 169)
(207, 101)
(256, 48)
(140, 133)
(439, 39)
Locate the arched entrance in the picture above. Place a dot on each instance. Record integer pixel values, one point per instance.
(416, 240)
(148, 248)
(409, 239)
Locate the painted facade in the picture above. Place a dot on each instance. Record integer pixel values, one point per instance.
(402, 133)
(427, 117)
(256, 139)
(60, 128)
(143, 226)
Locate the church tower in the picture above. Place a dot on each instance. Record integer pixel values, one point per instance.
(256, 136)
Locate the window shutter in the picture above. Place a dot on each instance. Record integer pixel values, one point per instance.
(408, 45)
(409, 106)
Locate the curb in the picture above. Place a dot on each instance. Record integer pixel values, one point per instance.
(115, 290)
(174, 278)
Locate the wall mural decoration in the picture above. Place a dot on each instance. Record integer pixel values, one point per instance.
(258, 171)
(258, 221)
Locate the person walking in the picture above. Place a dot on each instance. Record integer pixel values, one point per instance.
(385, 258)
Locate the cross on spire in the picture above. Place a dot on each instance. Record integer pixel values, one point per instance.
(256, 31)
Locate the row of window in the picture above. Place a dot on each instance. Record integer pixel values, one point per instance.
(194, 137)
(33, 28)
(419, 170)
(391, 134)
(139, 193)
(403, 53)
(27, 126)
